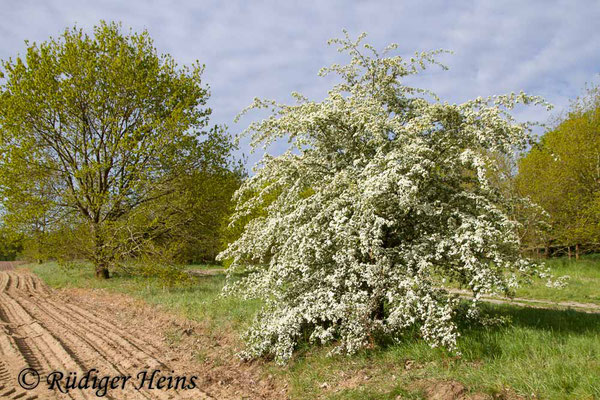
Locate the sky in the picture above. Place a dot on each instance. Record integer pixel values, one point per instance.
(269, 49)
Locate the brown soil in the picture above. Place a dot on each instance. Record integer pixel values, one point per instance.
(8, 265)
(77, 330)
(453, 390)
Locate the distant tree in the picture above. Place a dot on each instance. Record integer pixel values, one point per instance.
(383, 195)
(561, 173)
(10, 245)
(185, 226)
(209, 205)
(94, 129)
(532, 220)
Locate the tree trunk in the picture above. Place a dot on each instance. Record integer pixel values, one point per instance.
(100, 259)
(569, 249)
(577, 252)
(102, 272)
(379, 312)
(547, 251)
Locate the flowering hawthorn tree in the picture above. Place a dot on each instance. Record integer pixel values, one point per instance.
(382, 196)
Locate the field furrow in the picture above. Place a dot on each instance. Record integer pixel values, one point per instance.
(39, 330)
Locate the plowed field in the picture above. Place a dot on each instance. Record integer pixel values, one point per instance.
(39, 330)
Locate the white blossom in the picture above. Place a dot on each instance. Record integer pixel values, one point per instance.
(383, 194)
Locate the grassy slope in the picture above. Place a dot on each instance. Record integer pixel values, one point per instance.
(554, 354)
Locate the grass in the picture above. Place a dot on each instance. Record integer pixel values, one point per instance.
(554, 354)
(200, 302)
(583, 285)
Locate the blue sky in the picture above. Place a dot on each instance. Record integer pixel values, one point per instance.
(270, 48)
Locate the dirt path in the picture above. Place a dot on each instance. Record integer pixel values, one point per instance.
(589, 308)
(43, 329)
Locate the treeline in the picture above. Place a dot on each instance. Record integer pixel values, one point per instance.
(561, 173)
(187, 226)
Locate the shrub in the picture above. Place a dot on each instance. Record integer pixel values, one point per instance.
(383, 191)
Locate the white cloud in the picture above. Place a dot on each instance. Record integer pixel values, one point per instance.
(270, 48)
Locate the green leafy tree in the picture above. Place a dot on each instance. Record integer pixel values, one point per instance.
(96, 128)
(561, 173)
(208, 205)
(10, 245)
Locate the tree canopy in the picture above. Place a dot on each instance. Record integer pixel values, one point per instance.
(383, 195)
(96, 129)
(561, 173)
